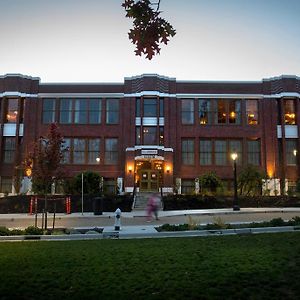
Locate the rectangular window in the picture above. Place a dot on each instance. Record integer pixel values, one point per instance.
(110, 185)
(80, 111)
(65, 111)
(205, 152)
(220, 153)
(112, 111)
(93, 151)
(235, 146)
(138, 135)
(95, 111)
(150, 108)
(291, 152)
(187, 186)
(48, 111)
(221, 113)
(78, 151)
(149, 136)
(234, 112)
(253, 152)
(161, 136)
(188, 152)
(187, 111)
(6, 185)
(67, 151)
(111, 151)
(205, 112)
(161, 107)
(289, 112)
(12, 110)
(252, 112)
(9, 149)
(138, 107)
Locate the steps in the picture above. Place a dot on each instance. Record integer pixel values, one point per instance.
(141, 200)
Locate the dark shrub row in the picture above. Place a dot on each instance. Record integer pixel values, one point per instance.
(178, 202)
(21, 203)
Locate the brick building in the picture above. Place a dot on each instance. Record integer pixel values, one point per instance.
(151, 131)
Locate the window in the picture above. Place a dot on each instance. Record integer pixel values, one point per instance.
(9, 149)
(205, 152)
(48, 111)
(253, 152)
(12, 110)
(161, 107)
(80, 111)
(235, 146)
(67, 151)
(220, 153)
(65, 111)
(205, 112)
(93, 150)
(138, 107)
(112, 111)
(187, 152)
(78, 151)
(221, 112)
(291, 152)
(149, 135)
(234, 112)
(161, 136)
(187, 111)
(138, 135)
(187, 186)
(289, 112)
(110, 186)
(111, 151)
(252, 112)
(95, 111)
(150, 108)
(6, 185)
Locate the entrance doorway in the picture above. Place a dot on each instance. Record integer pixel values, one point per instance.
(149, 175)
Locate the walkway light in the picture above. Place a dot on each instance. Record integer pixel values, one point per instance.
(234, 157)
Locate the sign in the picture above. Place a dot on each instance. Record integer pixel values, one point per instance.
(149, 152)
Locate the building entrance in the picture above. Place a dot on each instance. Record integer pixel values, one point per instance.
(149, 175)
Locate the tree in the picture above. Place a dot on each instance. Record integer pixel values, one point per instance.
(45, 163)
(250, 180)
(149, 29)
(91, 183)
(209, 182)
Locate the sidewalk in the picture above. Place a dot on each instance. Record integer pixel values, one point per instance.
(171, 213)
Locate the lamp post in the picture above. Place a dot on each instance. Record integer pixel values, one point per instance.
(235, 197)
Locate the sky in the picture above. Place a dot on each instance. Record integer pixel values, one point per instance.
(87, 41)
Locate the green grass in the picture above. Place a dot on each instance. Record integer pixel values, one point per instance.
(265, 266)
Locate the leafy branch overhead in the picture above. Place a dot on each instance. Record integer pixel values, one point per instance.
(149, 29)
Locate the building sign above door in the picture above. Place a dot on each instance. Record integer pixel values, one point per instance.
(149, 152)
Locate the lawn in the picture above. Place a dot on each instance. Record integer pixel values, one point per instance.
(264, 266)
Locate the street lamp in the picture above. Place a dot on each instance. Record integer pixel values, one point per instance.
(235, 197)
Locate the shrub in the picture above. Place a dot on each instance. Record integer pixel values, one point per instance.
(277, 222)
(31, 230)
(16, 232)
(4, 231)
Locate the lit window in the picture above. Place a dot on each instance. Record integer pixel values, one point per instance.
(205, 113)
(291, 152)
(289, 112)
(12, 111)
(252, 112)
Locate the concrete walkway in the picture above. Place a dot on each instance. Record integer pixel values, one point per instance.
(148, 230)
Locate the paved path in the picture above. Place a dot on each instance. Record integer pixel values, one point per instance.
(138, 218)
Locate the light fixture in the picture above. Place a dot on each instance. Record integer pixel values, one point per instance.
(98, 159)
(234, 156)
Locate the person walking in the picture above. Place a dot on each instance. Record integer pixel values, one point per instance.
(152, 207)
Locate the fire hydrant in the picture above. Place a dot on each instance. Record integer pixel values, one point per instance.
(118, 219)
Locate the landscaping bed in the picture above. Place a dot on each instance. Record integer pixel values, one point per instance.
(219, 224)
(180, 202)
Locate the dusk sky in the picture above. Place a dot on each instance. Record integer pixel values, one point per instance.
(86, 40)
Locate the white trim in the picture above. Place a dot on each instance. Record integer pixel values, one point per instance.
(281, 95)
(149, 93)
(238, 96)
(149, 157)
(20, 75)
(18, 94)
(149, 147)
(81, 95)
(150, 75)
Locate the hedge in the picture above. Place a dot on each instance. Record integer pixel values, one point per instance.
(21, 203)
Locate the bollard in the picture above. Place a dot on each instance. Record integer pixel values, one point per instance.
(118, 219)
(31, 206)
(68, 205)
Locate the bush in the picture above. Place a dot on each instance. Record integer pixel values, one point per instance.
(31, 230)
(277, 222)
(4, 231)
(17, 232)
